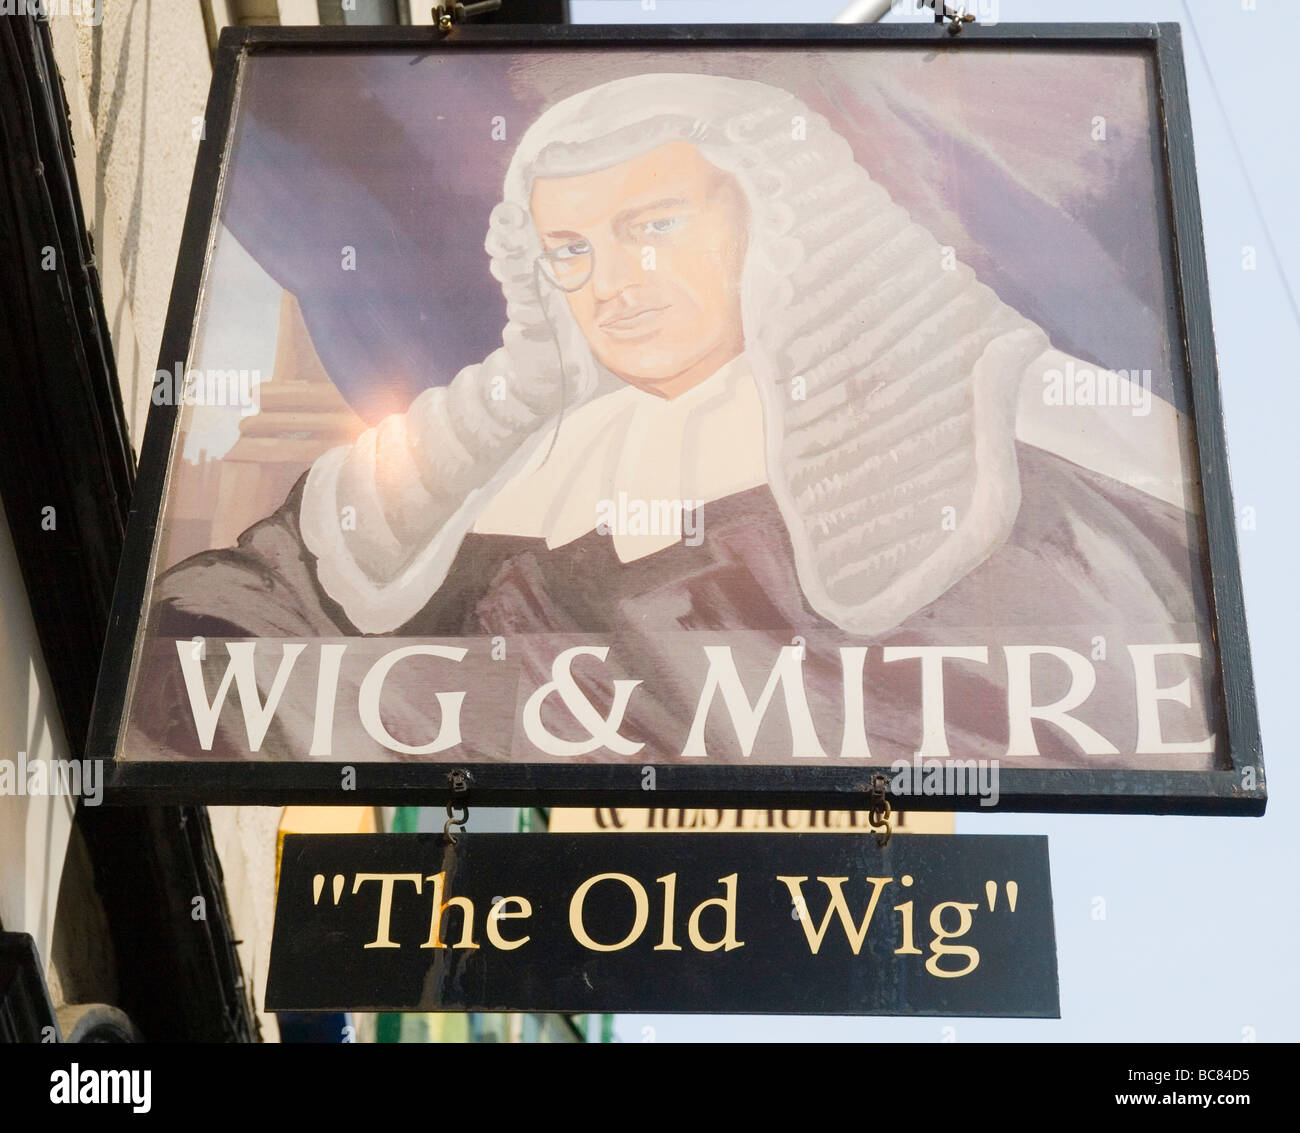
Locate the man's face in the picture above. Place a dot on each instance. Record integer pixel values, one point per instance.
(663, 237)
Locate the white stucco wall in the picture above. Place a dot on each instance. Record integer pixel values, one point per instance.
(33, 830)
(245, 838)
(137, 87)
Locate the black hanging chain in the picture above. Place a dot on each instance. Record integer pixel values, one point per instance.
(446, 16)
(957, 17)
(459, 781)
(880, 811)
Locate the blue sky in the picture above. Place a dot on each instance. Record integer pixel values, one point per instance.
(1201, 913)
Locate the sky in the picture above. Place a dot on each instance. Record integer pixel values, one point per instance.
(1201, 917)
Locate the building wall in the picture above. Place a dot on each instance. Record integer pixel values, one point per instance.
(136, 84)
(245, 838)
(34, 830)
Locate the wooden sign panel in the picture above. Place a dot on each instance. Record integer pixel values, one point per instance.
(603, 415)
(747, 923)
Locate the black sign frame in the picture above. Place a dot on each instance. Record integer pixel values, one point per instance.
(1240, 790)
(565, 941)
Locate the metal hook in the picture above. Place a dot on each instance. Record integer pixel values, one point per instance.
(445, 16)
(453, 820)
(459, 780)
(957, 17)
(880, 810)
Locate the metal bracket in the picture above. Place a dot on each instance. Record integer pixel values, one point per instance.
(446, 16)
(459, 781)
(880, 811)
(958, 17)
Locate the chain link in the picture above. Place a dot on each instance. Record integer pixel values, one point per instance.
(880, 810)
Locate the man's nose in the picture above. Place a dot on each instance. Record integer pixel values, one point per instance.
(617, 265)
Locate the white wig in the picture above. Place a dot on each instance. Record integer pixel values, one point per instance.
(888, 374)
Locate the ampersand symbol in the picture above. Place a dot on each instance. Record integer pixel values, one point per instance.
(603, 730)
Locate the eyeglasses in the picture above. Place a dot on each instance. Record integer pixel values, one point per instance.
(569, 267)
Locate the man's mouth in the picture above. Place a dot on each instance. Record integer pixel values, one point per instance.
(631, 323)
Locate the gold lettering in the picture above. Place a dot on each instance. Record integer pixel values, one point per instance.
(440, 907)
(909, 947)
(939, 948)
(728, 906)
(386, 882)
(575, 912)
(499, 912)
(669, 882)
(856, 935)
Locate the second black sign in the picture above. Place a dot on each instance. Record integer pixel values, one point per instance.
(746, 923)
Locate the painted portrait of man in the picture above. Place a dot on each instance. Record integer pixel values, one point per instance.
(750, 431)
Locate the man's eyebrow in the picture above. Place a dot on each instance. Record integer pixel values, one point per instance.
(621, 217)
(664, 202)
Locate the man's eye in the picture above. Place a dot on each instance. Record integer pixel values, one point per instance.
(662, 225)
(570, 251)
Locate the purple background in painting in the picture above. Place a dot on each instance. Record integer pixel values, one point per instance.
(392, 155)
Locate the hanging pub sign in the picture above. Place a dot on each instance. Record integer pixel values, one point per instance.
(810, 924)
(719, 413)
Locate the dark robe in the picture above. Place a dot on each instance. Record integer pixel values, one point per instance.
(1090, 565)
